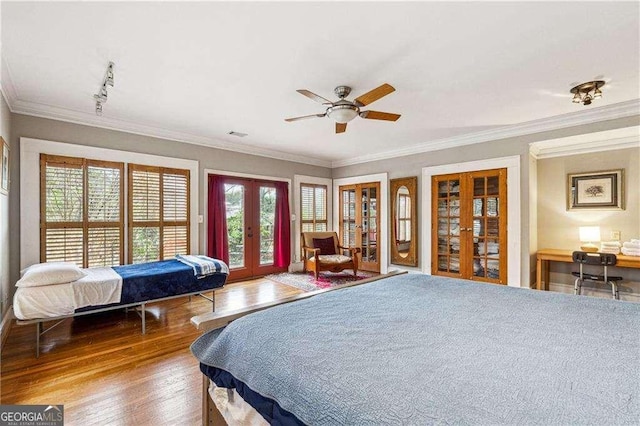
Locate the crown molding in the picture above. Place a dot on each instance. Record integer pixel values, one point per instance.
(627, 137)
(71, 116)
(594, 115)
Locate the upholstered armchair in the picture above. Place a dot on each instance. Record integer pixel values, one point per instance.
(321, 251)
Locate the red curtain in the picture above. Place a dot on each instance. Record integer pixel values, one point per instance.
(282, 228)
(217, 241)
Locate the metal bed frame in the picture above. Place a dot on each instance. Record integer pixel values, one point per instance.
(39, 322)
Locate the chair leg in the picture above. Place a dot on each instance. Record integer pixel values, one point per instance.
(614, 290)
(316, 273)
(577, 287)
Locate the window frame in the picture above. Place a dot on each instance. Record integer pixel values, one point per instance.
(314, 221)
(82, 164)
(160, 223)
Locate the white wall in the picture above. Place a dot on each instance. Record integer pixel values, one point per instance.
(5, 281)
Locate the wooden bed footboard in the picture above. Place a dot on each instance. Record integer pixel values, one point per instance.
(215, 320)
(211, 416)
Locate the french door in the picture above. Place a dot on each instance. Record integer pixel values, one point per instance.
(250, 213)
(469, 229)
(360, 222)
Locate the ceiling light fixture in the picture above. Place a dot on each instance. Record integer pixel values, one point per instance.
(101, 96)
(343, 113)
(587, 92)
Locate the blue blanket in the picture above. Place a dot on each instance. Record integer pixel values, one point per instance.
(156, 280)
(417, 349)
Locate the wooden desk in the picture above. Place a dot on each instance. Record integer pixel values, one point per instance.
(556, 255)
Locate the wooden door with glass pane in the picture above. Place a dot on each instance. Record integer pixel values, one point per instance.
(360, 222)
(469, 229)
(250, 213)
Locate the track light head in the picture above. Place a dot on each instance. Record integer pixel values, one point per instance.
(102, 95)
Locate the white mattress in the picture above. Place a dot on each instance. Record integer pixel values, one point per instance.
(101, 286)
(234, 409)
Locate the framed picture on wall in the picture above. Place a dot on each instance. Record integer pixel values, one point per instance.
(596, 190)
(4, 167)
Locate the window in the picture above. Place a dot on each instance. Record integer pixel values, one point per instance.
(81, 211)
(313, 207)
(158, 213)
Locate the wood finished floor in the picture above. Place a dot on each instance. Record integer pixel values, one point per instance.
(105, 372)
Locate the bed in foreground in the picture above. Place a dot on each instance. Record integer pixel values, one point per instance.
(41, 298)
(417, 349)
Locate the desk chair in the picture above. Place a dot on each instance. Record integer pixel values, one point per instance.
(603, 259)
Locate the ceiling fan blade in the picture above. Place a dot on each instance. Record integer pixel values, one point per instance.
(374, 95)
(313, 96)
(377, 115)
(304, 117)
(341, 127)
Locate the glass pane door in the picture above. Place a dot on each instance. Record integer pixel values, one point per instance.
(447, 216)
(369, 226)
(348, 224)
(488, 238)
(267, 222)
(235, 205)
(360, 222)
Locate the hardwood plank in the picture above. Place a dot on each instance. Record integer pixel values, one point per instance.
(105, 372)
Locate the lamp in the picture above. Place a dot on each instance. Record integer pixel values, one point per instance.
(587, 92)
(589, 235)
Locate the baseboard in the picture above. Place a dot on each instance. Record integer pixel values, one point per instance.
(5, 326)
(600, 291)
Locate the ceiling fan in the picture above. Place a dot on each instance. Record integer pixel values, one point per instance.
(343, 111)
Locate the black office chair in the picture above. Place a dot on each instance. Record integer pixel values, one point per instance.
(603, 259)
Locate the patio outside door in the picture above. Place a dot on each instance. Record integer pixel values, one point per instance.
(250, 213)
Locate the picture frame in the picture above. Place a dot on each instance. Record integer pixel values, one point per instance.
(602, 190)
(4, 167)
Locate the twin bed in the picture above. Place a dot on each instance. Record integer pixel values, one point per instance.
(118, 287)
(418, 349)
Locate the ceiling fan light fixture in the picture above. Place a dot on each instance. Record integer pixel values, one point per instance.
(343, 113)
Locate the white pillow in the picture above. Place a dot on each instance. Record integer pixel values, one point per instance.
(49, 274)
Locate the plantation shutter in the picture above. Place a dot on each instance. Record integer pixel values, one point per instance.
(313, 207)
(158, 213)
(81, 211)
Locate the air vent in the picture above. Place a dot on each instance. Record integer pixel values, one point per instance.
(238, 134)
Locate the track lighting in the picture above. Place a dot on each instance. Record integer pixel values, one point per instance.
(101, 96)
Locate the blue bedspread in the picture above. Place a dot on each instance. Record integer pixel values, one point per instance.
(156, 280)
(421, 350)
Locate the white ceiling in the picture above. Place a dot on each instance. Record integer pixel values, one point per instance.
(195, 71)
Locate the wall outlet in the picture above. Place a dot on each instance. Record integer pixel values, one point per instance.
(615, 235)
(200, 218)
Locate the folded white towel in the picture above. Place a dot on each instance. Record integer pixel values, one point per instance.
(611, 250)
(631, 245)
(610, 244)
(630, 252)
